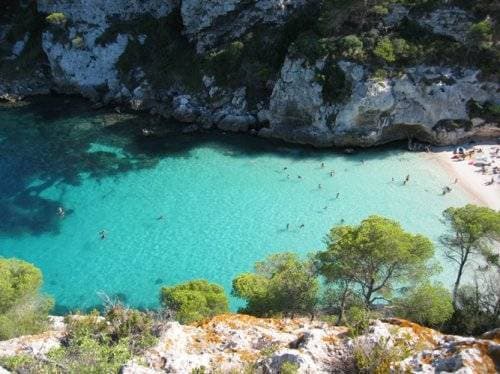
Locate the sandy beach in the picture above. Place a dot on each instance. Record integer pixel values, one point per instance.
(470, 177)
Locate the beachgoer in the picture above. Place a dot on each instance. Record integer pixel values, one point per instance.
(338, 194)
(285, 168)
(103, 234)
(322, 165)
(392, 179)
(160, 217)
(342, 220)
(407, 178)
(298, 176)
(287, 226)
(302, 226)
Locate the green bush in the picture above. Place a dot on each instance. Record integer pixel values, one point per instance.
(282, 283)
(427, 304)
(195, 300)
(23, 310)
(481, 33)
(352, 47)
(58, 19)
(358, 320)
(384, 50)
(288, 367)
(379, 359)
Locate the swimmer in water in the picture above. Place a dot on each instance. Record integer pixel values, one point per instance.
(103, 234)
(160, 218)
(60, 212)
(338, 195)
(302, 226)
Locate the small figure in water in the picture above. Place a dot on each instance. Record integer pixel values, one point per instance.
(103, 234)
(302, 226)
(319, 186)
(325, 208)
(287, 226)
(338, 195)
(298, 176)
(160, 218)
(392, 180)
(407, 179)
(342, 221)
(60, 212)
(288, 176)
(322, 165)
(332, 173)
(285, 168)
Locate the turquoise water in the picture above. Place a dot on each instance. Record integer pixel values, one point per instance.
(226, 201)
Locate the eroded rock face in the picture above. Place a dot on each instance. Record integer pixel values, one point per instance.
(453, 22)
(233, 343)
(78, 62)
(414, 104)
(208, 22)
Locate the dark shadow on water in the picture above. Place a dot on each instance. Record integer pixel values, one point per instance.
(49, 142)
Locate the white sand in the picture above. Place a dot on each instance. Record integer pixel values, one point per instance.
(470, 177)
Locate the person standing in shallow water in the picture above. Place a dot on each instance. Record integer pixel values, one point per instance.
(103, 234)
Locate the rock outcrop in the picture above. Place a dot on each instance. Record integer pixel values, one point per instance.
(208, 22)
(234, 343)
(415, 104)
(88, 49)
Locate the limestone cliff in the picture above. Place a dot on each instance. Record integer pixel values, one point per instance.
(235, 343)
(306, 71)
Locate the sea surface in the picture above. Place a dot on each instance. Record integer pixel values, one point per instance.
(180, 207)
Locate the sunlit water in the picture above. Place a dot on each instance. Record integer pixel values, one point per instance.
(225, 200)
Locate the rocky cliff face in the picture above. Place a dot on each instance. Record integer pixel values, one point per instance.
(234, 65)
(235, 343)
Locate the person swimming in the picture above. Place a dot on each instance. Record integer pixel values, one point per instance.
(103, 234)
(61, 212)
(302, 226)
(160, 217)
(322, 165)
(287, 226)
(338, 195)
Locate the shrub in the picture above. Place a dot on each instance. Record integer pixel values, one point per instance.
(427, 304)
(380, 358)
(288, 367)
(352, 46)
(358, 320)
(481, 33)
(194, 300)
(58, 19)
(77, 42)
(385, 50)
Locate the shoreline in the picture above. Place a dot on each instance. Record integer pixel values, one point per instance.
(470, 178)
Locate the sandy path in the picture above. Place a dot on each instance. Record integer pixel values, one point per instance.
(470, 178)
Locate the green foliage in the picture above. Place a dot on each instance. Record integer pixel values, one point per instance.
(470, 227)
(374, 258)
(352, 47)
(95, 344)
(58, 19)
(309, 46)
(427, 304)
(281, 284)
(22, 309)
(288, 367)
(195, 300)
(385, 50)
(358, 320)
(481, 33)
(336, 86)
(379, 358)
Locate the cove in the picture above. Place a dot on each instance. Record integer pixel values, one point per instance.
(225, 200)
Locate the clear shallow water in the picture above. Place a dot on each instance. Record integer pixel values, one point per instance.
(226, 201)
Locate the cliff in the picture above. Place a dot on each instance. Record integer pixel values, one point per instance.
(235, 343)
(307, 71)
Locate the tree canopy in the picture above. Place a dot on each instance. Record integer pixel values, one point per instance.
(195, 300)
(282, 283)
(473, 230)
(374, 258)
(23, 310)
(426, 304)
